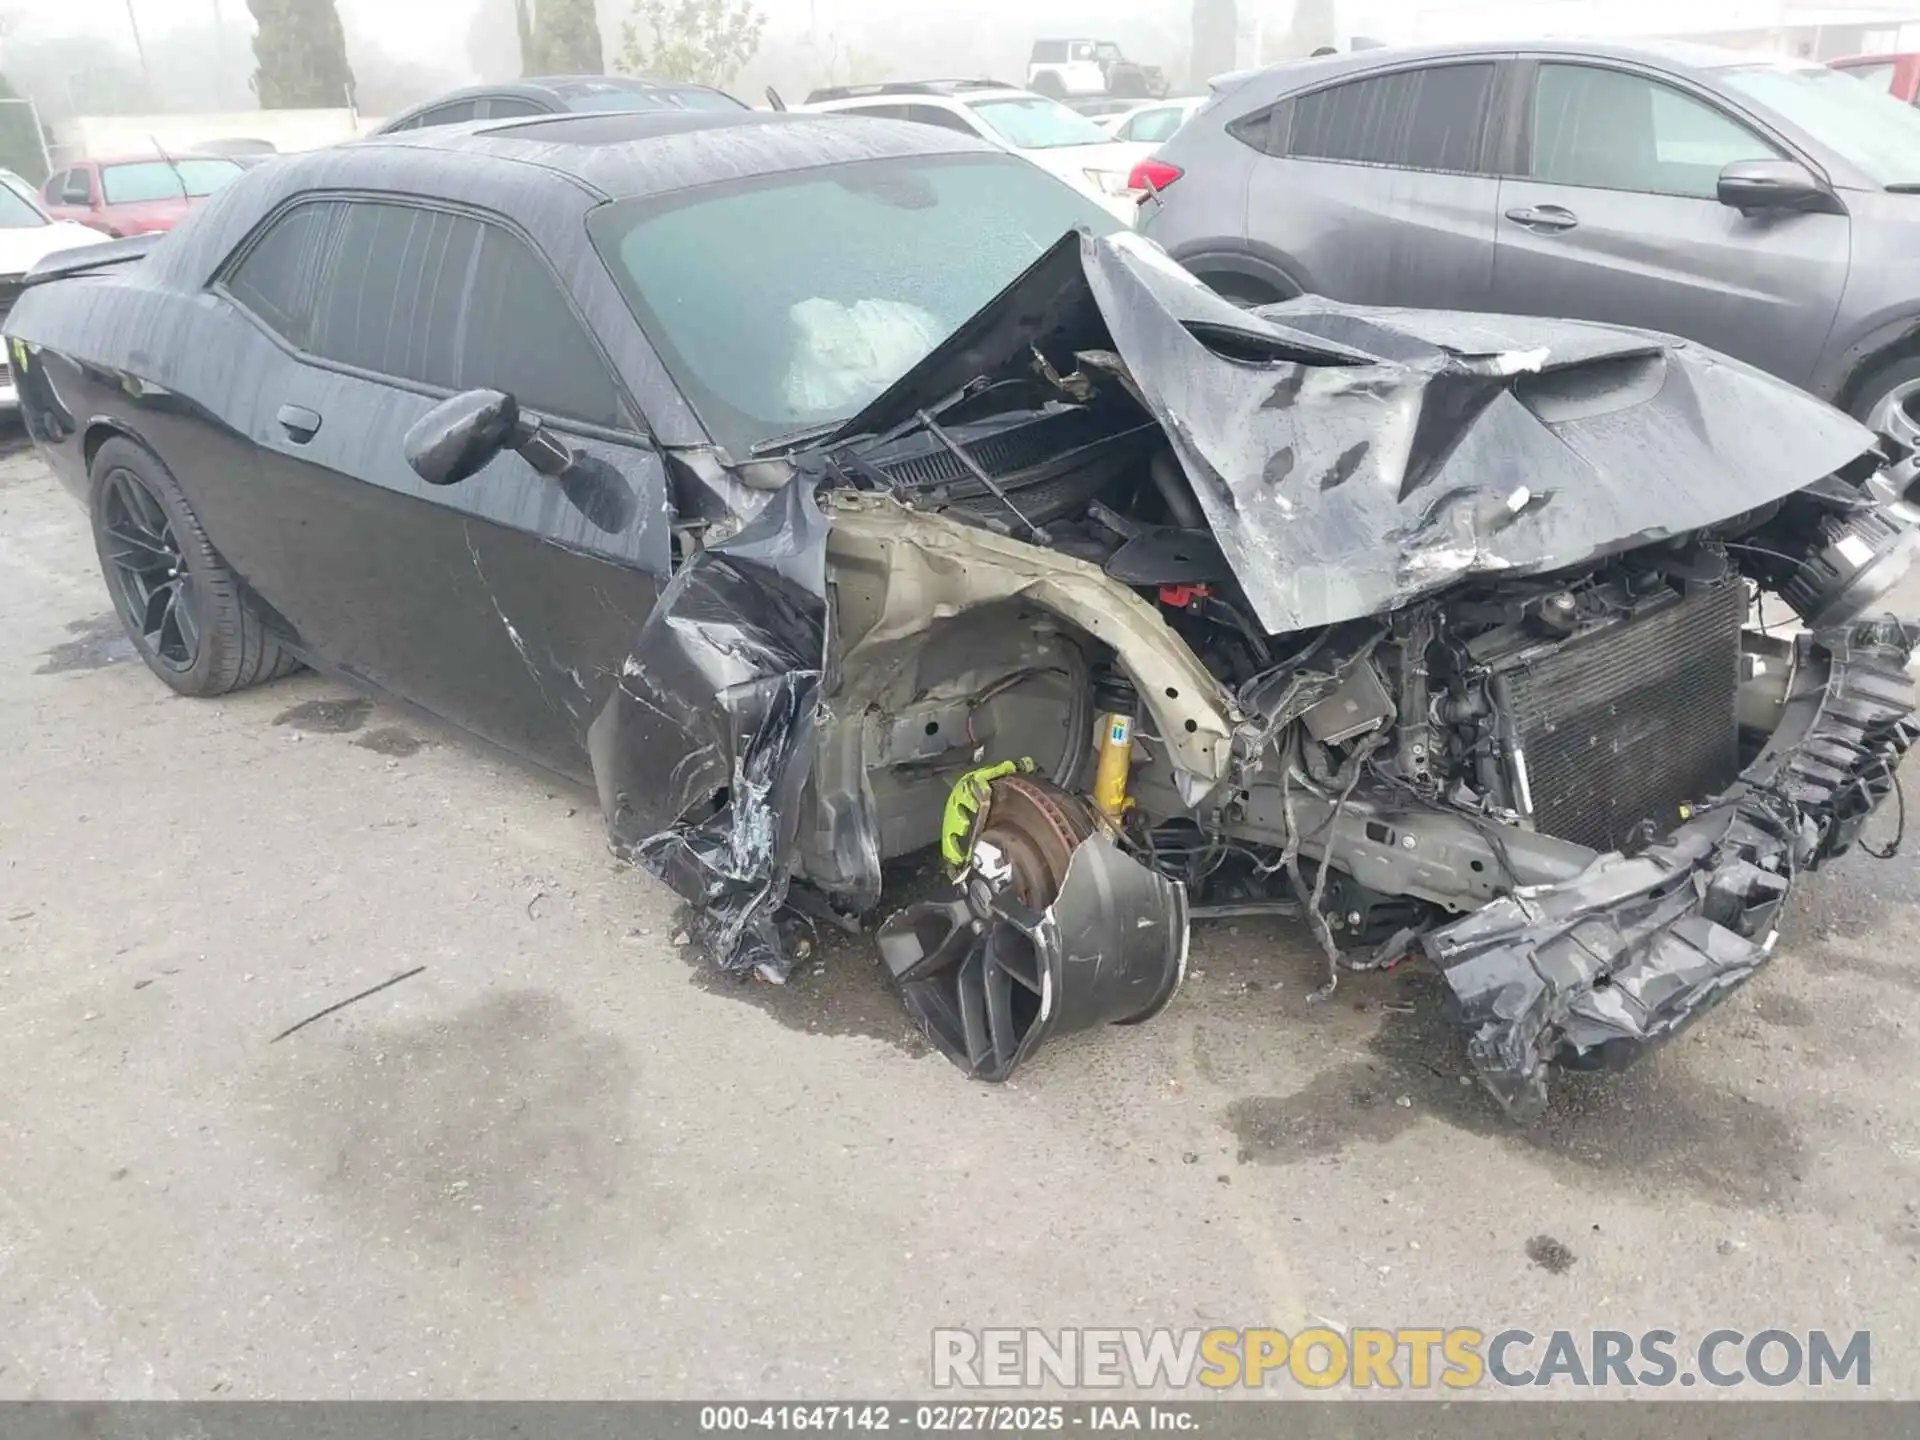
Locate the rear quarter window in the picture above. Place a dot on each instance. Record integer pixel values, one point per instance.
(1429, 119)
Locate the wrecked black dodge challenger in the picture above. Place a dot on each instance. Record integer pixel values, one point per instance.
(1546, 652)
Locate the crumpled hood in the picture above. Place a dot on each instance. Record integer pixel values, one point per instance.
(1352, 459)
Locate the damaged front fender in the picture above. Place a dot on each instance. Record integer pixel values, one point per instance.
(704, 749)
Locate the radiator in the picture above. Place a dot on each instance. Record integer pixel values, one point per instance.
(1629, 723)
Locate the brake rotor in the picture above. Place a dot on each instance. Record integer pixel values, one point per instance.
(1035, 827)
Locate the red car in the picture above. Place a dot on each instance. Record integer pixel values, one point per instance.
(1898, 75)
(136, 195)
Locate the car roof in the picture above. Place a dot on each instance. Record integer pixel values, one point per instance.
(945, 88)
(554, 89)
(1670, 54)
(624, 154)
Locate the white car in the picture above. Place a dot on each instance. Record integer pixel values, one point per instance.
(1152, 122)
(26, 234)
(1033, 127)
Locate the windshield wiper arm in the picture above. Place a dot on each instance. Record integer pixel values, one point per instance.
(794, 438)
(934, 428)
(1903, 187)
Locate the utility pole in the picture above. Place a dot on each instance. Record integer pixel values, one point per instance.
(140, 49)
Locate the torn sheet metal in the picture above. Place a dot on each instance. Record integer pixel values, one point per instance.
(1589, 972)
(703, 751)
(1351, 460)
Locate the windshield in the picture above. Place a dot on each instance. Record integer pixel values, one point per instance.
(1033, 122)
(17, 212)
(165, 180)
(1880, 75)
(766, 337)
(664, 97)
(1872, 130)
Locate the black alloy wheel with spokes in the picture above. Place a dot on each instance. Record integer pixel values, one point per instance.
(153, 586)
(193, 622)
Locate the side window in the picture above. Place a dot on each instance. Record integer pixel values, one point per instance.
(522, 337)
(1879, 76)
(1611, 130)
(278, 278)
(934, 115)
(392, 296)
(505, 107)
(1082, 50)
(455, 113)
(1430, 119)
(79, 187)
(1152, 126)
(1049, 52)
(424, 295)
(873, 112)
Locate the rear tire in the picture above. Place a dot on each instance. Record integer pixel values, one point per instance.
(1242, 290)
(183, 609)
(1050, 85)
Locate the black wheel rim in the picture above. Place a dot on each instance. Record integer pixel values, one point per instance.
(156, 591)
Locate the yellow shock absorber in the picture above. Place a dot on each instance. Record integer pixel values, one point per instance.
(1117, 702)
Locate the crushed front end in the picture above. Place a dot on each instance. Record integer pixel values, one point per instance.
(1548, 654)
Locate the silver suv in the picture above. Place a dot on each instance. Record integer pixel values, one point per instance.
(1765, 208)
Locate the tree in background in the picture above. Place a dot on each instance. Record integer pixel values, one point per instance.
(1314, 27)
(19, 146)
(302, 55)
(562, 37)
(702, 41)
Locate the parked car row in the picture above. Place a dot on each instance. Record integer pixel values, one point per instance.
(1057, 139)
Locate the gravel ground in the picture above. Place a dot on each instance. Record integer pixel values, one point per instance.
(565, 1160)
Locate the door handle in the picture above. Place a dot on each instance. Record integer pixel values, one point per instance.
(300, 423)
(1548, 219)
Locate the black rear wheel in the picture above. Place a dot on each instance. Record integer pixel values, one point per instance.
(185, 611)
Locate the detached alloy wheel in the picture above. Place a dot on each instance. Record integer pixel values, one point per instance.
(185, 611)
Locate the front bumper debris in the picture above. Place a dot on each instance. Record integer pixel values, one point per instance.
(1589, 972)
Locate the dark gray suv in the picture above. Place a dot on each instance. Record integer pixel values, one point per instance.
(1767, 209)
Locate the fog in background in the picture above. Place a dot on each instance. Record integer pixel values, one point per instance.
(78, 56)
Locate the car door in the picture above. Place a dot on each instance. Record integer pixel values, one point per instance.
(1380, 189)
(74, 199)
(503, 603)
(1613, 216)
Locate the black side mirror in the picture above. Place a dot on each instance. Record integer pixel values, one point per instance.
(460, 437)
(1751, 185)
